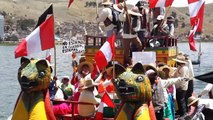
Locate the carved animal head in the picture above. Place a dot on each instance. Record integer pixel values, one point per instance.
(34, 75)
(132, 85)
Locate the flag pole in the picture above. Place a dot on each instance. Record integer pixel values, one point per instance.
(97, 16)
(166, 14)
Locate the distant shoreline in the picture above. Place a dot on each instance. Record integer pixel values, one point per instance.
(11, 43)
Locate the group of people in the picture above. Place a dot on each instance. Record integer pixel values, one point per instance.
(172, 90)
(132, 23)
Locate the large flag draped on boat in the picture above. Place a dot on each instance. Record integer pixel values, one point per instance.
(105, 102)
(196, 11)
(208, 77)
(42, 38)
(70, 2)
(160, 3)
(106, 53)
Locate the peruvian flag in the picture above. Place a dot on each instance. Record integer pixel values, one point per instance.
(105, 102)
(160, 3)
(70, 2)
(42, 38)
(106, 53)
(196, 11)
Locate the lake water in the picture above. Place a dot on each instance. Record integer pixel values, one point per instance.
(9, 87)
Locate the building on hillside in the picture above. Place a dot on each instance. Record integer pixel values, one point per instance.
(1, 26)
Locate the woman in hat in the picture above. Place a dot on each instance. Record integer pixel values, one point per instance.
(87, 95)
(197, 102)
(182, 86)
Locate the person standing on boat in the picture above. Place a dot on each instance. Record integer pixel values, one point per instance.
(106, 16)
(182, 86)
(143, 20)
(130, 29)
(170, 23)
(159, 30)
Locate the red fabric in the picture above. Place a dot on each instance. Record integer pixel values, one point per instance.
(70, 2)
(152, 111)
(47, 34)
(95, 71)
(48, 106)
(21, 49)
(100, 58)
(196, 21)
(104, 100)
(62, 109)
(168, 3)
(152, 3)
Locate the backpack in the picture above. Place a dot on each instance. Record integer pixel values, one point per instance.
(115, 19)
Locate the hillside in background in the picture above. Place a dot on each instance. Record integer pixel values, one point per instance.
(81, 13)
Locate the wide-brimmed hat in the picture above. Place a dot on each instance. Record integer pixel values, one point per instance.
(171, 71)
(134, 11)
(107, 2)
(88, 84)
(160, 17)
(91, 68)
(171, 18)
(150, 66)
(180, 59)
(192, 100)
(65, 78)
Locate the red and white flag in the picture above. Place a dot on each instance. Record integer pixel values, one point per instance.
(106, 53)
(48, 56)
(196, 11)
(70, 2)
(42, 38)
(105, 102)
(160, 3)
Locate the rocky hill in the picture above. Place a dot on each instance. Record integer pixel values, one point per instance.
(21, 16)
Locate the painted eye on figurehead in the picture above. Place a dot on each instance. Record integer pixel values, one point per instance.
(140, 79)
(41, 74)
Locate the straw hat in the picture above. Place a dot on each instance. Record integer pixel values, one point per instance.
(88, 84)
(160, 17)
(192, 100)
(180, 59)
(134, 11)
(150, 66)
(107, 2)
(80, 66)
(171, 71)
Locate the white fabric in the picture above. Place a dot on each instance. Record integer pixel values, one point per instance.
(182, 71)
(191, 71)
(207, 102)
(195, 7)
(59, 95)
(89, 97)
(33, 42)
(160, 3)
(207, 89)
(105, 13)
(107, 51)
(184, 3)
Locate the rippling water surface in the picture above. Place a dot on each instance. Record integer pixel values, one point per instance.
(9, 86)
